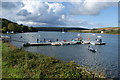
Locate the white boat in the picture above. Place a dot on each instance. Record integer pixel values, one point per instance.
(64, 43)
(93, 43)
(56, 43)
(4, 36)
(73, 42)
(97, 43)
(86, 42)
(92, 49)
(60, 43)
(12, 32)
(78, 35)
(63, 31)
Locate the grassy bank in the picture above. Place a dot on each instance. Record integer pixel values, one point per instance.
(110, 30)
(17, 63)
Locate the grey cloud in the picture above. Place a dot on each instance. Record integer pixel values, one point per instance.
(11, 5)
(23, 13)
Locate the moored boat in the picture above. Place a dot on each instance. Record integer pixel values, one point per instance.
(85, 42)
(97, 43)
(56, 43)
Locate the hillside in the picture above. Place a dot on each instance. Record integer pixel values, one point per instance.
(4, 22)
(58, 28)
(9, 26)
(23, 28)
(107, 30)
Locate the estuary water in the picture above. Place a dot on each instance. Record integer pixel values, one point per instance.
(105, 60)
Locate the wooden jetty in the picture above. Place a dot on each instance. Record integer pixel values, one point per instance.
(37, 44)
(52, 43)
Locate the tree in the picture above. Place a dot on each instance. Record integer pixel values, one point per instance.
(31, 29)
(11, 27)
(4, 29)
(18, 28)
(25, 28)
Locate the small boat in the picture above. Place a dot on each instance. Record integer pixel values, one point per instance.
(78, 35)
(64, 43)
(93, 43)
(60, 43)
(56, 44)
(73, 42)
(5, 37)
(12, 32)
(63, 31)
(86, 42)
(97, 43)
(92, 49)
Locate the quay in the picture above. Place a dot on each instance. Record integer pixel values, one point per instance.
(37, 44)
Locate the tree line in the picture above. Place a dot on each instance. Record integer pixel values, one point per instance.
(8, 26)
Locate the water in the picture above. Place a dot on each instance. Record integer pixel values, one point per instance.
(105, 60)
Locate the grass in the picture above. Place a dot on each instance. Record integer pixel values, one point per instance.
(17, 63)
(114, 31)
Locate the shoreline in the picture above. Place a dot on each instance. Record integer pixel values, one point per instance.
(94, 33)
(68, 31)
(72, 70)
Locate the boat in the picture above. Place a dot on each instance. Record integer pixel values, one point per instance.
(56, 44)
(73, 42)
(97, 43)
(92, 49)
(5, 37)
(85, 42)
(63, 31)
(78, 35)
(12, 32)
(60, 43)
(64, 43)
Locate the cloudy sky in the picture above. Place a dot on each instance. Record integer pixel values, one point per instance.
(84, 13)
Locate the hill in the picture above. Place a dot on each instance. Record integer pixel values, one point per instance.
(107, 30)
(58, 28)
(8, 25)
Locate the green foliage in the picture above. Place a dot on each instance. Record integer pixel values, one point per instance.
(25, 28)
(4, 22)
(31, 29)
(11, 26)
(18, 63)
(4, 29)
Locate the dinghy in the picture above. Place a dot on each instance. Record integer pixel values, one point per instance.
(92, 49)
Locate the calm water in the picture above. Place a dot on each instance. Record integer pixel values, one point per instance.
(105, 60)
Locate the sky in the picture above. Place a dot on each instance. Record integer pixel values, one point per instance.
(84, 13)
